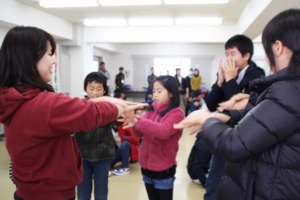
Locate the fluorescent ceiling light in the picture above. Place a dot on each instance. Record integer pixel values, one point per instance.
(194, 2)
(198, 21)
(68, 3)
(129, 2)
(153, 21)
(113, 22)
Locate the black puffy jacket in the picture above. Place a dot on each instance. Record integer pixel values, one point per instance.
(263, 150)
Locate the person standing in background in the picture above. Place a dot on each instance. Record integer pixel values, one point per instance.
(151, 78)
(187, 88)
(103, 71)
(181, 90)
(120, 79)
(196, 83)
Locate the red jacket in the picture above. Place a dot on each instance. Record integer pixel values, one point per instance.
(45, 159)
(134, 141)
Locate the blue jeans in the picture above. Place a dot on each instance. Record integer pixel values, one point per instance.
(98, 171)
(213, 180)
(162, 184)
(122, 154)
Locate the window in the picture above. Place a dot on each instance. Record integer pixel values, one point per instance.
(168, 65)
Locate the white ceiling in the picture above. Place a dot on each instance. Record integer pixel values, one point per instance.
(229, 12)
(247, 17)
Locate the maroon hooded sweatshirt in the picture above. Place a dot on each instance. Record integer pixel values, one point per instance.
(46, 163)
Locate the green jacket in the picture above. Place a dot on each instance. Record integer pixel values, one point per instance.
(96, 145)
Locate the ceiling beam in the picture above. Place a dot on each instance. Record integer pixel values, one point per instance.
(258, 13)
(15, 13)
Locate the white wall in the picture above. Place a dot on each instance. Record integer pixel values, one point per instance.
(259, 57)
(76, 71)
(122, 60)
(171, 49)
(75, 62)
(138, 59)
(3, 31)
(141, 69)
(64, 67)
(205, 66)
(142, 65)
(214, 34)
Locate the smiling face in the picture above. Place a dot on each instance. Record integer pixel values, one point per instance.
(160, 94)
(45, 64)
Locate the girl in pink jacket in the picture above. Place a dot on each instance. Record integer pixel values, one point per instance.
(160, 140)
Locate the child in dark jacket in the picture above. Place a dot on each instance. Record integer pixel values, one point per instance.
(96, 147)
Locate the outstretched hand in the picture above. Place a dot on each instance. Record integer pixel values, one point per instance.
(237, 102)
(124, 107)
(195, 120)
(130, 120)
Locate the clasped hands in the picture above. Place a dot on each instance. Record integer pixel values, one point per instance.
(125, 109)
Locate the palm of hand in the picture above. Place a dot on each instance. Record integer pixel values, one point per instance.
(130, 119)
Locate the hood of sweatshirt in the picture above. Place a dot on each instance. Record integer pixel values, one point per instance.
(11, 99)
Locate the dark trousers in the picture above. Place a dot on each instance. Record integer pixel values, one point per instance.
(122, 154)
(18, 198)
(213, 181)
(199, 161)
(96, 172)
(158, 194)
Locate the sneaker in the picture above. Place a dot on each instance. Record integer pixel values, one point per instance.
(197, 181)
(109, 173)
(122, 171)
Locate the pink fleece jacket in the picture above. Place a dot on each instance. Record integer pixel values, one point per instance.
(160, 142)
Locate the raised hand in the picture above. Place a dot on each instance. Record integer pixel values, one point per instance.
(230, 71)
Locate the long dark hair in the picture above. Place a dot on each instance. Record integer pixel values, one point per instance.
(98, 78)
(20, 52)
(284, 27)
(170, 83)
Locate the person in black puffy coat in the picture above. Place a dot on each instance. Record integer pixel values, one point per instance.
(263, 149)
